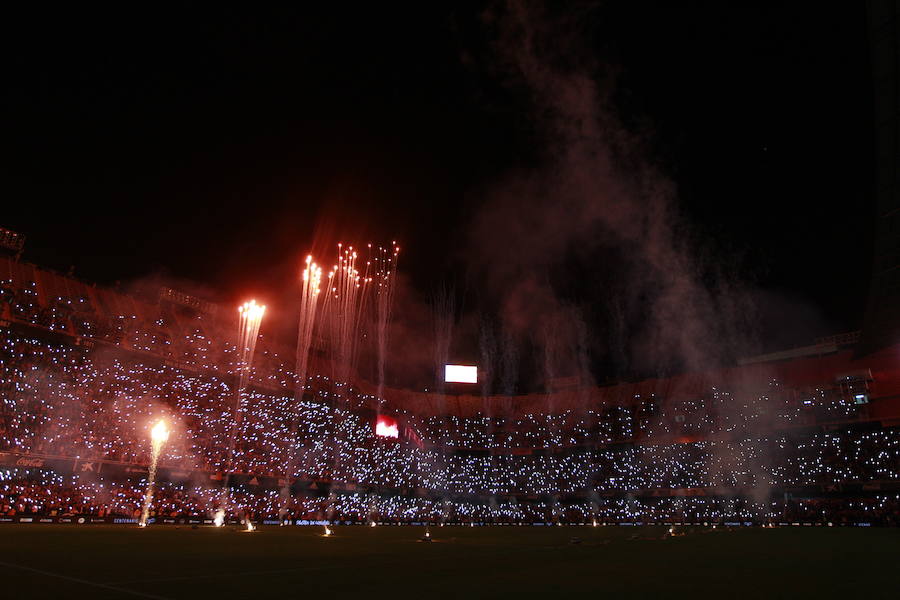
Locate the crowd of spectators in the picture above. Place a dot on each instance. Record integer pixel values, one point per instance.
(60, 400)
(31, 492)
(98, 400)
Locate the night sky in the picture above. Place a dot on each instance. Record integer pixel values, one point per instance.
(216, 147)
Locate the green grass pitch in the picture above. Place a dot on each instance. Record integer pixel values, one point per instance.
(106, 561)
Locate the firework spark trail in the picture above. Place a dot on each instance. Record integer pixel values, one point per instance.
(158, 436)
(351, 287)
(251, 315)
(312, 276)
(348, 290)
(347, 308)
(364, 290)
(384, 290)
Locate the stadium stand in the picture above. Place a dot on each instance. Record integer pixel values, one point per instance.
(86, 369)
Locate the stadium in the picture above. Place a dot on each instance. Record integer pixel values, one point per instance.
(346, 438)
(88, 372)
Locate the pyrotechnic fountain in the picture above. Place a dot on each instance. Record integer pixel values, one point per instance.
(345, 308)
(312, 276)
(344, 305)
(219, 518)
(158, 436)
(251, 315)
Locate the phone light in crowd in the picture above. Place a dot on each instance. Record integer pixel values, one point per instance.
(460, 374)
(387, 427)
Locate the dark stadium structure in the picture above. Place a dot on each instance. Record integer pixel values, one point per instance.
(809, 435)
(882, 321)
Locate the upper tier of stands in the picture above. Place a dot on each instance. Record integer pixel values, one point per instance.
(866, 388)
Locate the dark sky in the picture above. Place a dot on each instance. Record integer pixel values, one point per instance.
(212, 144)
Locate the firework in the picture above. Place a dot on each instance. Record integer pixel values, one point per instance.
(385, 275)
(311, 280)
(357, 297)
(342, 309)
(251, 315)
(158, 436)
(344, 305)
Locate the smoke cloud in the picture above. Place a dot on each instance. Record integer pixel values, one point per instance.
(584, 253)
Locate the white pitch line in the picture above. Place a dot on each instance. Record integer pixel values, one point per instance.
(82, 581)
(218, 575)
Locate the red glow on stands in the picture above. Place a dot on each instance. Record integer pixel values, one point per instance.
(387, 427)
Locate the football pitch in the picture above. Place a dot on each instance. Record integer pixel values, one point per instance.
(170, 562)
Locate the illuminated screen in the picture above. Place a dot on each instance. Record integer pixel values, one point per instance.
(387, 427)
(460, 374)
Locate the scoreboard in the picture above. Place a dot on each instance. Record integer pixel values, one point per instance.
(460, 374)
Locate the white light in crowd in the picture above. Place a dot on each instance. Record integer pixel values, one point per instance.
(834, 456)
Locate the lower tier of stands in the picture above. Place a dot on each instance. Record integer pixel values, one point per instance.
(34, 493)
